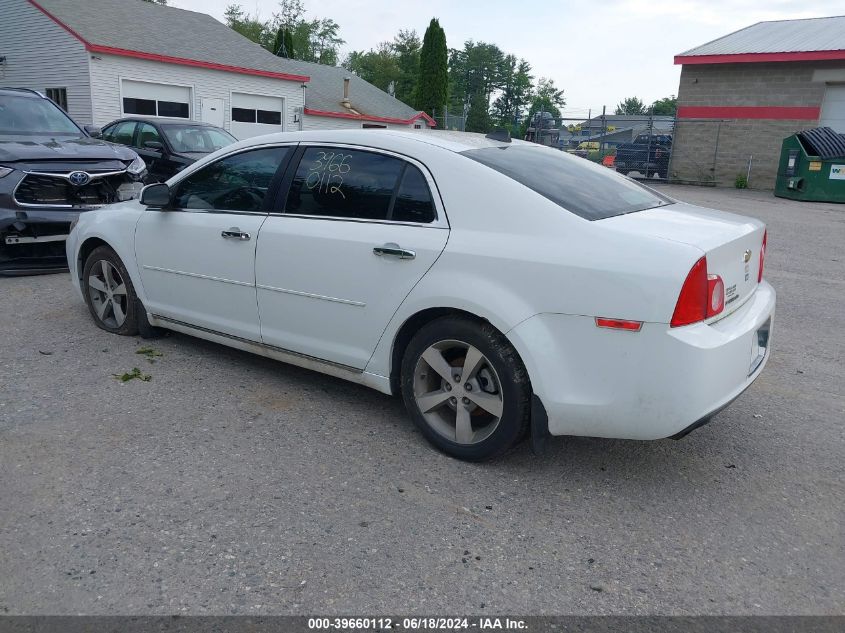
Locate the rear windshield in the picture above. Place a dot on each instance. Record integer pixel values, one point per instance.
(586, 189)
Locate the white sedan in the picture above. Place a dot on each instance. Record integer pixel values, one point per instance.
(503, 288)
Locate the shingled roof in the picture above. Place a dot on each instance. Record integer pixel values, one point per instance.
(147, 30)
(782, 40)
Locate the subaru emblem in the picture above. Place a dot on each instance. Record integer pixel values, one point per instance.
(79, 178)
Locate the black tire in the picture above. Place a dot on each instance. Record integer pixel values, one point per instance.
(514, 388)
(128, 305)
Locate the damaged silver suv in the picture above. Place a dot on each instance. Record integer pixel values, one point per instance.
(50, 171)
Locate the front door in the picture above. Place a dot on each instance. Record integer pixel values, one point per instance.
(197, 259)
(358, 231)
(213, 111)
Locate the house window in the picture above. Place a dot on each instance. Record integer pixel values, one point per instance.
(152, 107)
(248, 115)
(417, 126)
(374, 126)
(59, 96)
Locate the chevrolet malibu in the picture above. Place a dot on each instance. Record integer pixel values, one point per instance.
(504, 289)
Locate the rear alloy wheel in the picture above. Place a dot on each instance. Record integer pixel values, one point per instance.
(109, 292)
(466, 388)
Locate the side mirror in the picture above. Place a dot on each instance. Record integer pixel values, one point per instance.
(156, 196)
(93, 131)
(154, 145)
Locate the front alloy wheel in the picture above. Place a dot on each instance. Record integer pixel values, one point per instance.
(107, 293)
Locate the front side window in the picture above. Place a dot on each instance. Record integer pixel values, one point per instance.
(120, 132)
(147, 134)
(344, 183)
(579, 186)
(236, 183)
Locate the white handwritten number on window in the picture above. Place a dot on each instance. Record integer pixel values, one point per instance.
(326, 174)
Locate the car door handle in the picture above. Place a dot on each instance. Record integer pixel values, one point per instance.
(234, 233)
(394, 250)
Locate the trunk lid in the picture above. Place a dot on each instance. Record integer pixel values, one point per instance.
(731, 243)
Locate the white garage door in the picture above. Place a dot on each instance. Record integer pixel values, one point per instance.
(253, 115)
(833, 108)
(151, 99)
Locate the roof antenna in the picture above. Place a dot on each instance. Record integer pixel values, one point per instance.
(499, 134)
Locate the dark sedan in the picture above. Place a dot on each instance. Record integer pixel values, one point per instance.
(167, 146)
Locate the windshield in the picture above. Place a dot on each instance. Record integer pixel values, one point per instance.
(32, 116)
(186, 138)
(578, 185)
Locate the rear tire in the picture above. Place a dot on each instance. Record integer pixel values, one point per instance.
(109, 293)
(466, 388)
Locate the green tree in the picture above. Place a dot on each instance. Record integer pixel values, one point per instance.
(406, 46)
(283, 44)
(631, 105)
(315, 40)
(515, 93)
(251, 27)
(433, 84)
(546, 98)
(478, 115)
(380, 67)
(667, 106)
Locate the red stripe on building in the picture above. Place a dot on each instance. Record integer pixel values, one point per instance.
(182, 61)
(752, 58)
(374, 119)
(749, 112)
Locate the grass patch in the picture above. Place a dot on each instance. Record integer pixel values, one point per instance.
(149, 353)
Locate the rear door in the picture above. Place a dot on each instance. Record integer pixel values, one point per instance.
(358, 230)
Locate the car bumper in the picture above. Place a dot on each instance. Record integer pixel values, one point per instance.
(33, 240)
(656, 383)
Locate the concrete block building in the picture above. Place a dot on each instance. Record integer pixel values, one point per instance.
(742, 94)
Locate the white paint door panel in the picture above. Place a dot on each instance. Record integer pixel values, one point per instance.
(191, 273)
(323, 292)
(213, 111)
(833, 108)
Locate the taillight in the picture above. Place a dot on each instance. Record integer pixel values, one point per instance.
(702, 296)
(762, 256)
(715, 295)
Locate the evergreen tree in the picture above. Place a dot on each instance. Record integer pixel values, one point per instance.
(433, 85)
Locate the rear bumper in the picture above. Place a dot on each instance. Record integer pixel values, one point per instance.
(651, 384)
(33, 240)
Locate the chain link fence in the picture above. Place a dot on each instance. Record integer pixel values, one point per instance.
(725, 152)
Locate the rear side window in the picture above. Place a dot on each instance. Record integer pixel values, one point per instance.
(344, 183)
(413, 201)
(588, 190)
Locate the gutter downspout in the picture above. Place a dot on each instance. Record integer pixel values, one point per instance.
(302, 116)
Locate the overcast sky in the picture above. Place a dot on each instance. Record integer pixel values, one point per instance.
(598, 52)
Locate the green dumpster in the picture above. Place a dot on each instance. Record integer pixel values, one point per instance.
(812, 166)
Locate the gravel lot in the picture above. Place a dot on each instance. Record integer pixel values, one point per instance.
(231, 484)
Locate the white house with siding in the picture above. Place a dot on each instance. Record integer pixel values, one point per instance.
(105, 59)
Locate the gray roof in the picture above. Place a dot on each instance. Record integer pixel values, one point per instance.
(325, 91)
(148, 27)
(782, 36)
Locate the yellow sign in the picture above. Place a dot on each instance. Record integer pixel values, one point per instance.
(815, 165)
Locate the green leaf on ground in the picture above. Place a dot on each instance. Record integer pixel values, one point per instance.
(149, 353)
(131, 375)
